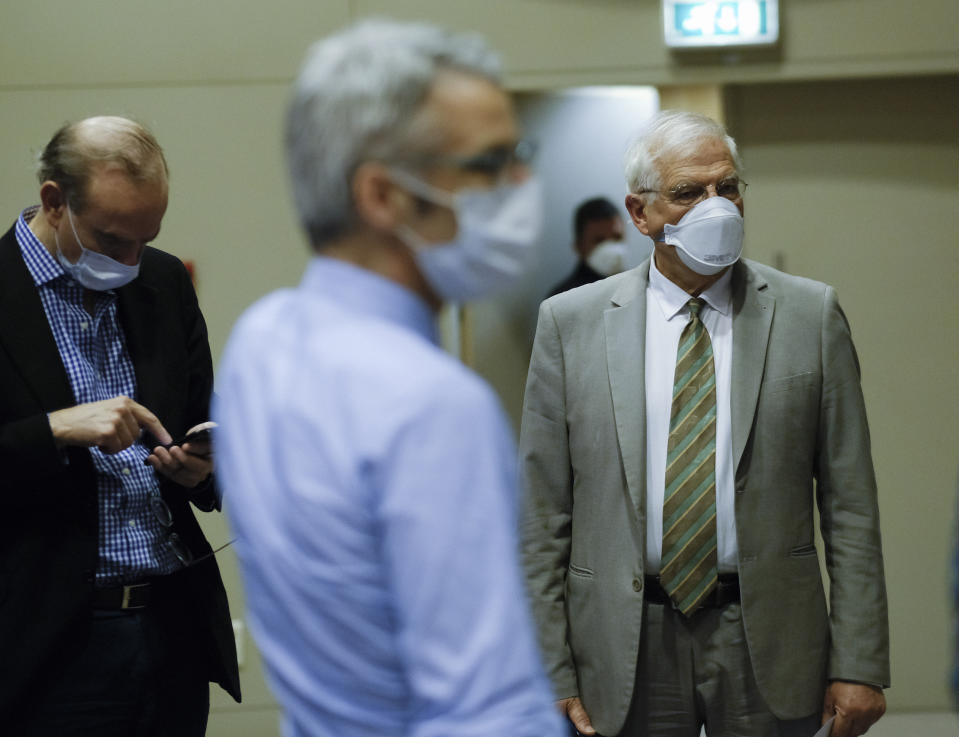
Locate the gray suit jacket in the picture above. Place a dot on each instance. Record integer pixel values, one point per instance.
(799, 435)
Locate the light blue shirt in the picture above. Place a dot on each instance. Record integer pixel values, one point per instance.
(371, 481)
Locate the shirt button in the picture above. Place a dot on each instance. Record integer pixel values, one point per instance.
(133, 523)
(637, 585)
(126, 470)
(84, 325)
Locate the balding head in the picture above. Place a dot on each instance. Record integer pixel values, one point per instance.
(77, 148)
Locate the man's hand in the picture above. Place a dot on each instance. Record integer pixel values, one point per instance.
(111, 425)
(188, 464)
(572, 708)
(856, 706)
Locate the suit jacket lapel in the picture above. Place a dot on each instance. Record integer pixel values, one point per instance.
(25, 333)
(625, 326)
(143, 332)
(753, 309)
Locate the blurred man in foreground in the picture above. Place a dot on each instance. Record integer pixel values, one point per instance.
(370, 476)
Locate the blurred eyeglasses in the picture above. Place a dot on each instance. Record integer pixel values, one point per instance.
(165, 517)
(494, 162)
(687, 195)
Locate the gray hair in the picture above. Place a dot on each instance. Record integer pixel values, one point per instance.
(77, 147)
(671, 134)
(357, 98)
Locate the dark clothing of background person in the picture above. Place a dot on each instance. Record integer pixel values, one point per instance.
(581, 275)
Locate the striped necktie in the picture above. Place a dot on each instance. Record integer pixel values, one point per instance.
(689, 571)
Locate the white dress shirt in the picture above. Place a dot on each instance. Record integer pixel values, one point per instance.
(666, 316)
(370, 478)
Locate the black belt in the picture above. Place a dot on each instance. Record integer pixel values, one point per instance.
(133, 596)
(726, 592)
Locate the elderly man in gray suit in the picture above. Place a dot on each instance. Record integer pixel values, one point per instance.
(680, 421)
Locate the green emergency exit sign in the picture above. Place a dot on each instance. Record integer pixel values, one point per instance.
(712, 23)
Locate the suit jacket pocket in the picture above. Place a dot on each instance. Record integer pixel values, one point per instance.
(803, 550)
(789, 383)
(787, 418)
(579, 571)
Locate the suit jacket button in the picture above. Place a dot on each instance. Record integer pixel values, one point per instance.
(637, 584)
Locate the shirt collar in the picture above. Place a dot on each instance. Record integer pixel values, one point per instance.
(366, 292)
(672, 299)
(42, 266)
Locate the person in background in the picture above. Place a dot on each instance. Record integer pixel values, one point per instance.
(681, 420)
(113, 617)
(598, 242)
(369, 476)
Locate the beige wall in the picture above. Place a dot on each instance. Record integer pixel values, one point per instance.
(554, 43)
(548, 43)
(852, 182)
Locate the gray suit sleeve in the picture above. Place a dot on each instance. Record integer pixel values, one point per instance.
(849, 512)
(546, 528)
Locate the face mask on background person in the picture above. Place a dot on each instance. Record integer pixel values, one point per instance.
(608, 258)
(495, 242)
(95, 270)
(709, 237)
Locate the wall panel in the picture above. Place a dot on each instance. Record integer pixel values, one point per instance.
(548, 43)
(551, 43)
(60, 43)
(854, 184)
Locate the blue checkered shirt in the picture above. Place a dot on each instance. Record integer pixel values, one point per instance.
(132, 542)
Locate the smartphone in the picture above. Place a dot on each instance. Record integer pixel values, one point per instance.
(199, 436)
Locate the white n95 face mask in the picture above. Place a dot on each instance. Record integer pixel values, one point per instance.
(495, 244)
(709, 237)
(95, 270)
(608, 258)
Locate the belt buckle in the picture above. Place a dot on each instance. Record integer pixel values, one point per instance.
(127, 591)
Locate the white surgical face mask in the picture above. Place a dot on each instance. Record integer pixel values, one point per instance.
(95, 270)
(709, 237)
(495, 243)
(608, 258)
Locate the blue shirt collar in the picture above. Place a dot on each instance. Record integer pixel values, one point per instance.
(42, 266)
(368, 293)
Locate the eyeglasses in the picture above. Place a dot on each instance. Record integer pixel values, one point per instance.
(493, 163)
(688, 195)
(165, 517)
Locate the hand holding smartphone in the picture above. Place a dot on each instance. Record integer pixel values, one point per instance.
(200, 446)
(197, 436)
(199, 440)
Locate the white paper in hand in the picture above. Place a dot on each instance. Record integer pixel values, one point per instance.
(825, 729)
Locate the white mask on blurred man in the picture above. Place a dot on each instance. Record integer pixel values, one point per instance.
(495, 243)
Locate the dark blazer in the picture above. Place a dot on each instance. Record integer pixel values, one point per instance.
(48, 508)
(582, 274)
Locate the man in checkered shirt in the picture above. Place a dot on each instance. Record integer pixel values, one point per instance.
(113, 617)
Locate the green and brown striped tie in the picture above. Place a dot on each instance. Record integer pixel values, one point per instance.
(688, 571)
